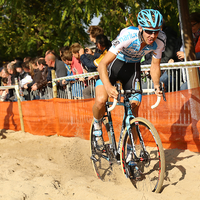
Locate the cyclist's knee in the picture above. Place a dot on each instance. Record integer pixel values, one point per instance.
(100, 101)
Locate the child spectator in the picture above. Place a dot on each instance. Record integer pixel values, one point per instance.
(62, 50)
(77, 68)
(76, 64)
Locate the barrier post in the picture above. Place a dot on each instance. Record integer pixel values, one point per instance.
(19, 105)
(53, 75)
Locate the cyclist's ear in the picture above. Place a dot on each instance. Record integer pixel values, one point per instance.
(140, 28)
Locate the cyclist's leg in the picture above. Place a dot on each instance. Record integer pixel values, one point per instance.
(135, 101)
(100, 100)
(99, 111)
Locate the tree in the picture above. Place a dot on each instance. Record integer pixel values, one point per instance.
(29, 28)
(34, 26)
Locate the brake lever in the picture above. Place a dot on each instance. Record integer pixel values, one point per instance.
(162, 88)
(118, 87)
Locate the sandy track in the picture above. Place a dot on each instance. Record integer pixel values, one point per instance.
(59, 168)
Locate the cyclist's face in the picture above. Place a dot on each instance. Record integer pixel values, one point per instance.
(150, 35)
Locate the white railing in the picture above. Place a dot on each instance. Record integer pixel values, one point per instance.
(76, 89)
(173, 71)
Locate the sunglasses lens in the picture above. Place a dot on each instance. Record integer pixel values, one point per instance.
(151, 32)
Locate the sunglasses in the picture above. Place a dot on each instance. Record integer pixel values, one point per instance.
(194, 24)
(150, 32)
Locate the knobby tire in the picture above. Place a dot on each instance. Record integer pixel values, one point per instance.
(150, 170)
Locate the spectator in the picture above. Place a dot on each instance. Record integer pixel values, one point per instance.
(36, 76)
(41, 84)
(27, 59)
(76, 63)
(195, 23)
(62, 50)
(103, 44)
(67, 59)
(21, 74)
(4, 93)
(94, 31)
(13, 75)
(26, 66)
(58, 66)
(4, 73)
(77, 68)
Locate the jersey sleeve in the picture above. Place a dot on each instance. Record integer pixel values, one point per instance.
(161, 43)
(123, 40)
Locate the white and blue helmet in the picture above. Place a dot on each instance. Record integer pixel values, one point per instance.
(150, 18)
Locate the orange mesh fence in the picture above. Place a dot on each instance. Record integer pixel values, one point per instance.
(176, 120)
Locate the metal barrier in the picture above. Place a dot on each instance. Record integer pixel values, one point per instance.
(173, 71)
(80, 90)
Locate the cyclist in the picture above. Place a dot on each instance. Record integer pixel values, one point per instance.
(122, 62)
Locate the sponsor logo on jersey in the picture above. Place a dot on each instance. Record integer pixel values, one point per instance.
(127, 37)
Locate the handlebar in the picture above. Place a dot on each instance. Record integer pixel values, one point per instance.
(144, 91)
(158, 98)
(113, 105)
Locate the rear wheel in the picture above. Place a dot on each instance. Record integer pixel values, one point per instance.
(101, 160)
(146, 170)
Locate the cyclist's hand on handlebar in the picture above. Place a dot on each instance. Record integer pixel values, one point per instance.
(112, 92)
(160, 90)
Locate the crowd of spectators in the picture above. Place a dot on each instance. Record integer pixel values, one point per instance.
(34, 75)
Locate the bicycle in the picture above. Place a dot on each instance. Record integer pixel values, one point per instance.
(139, 141)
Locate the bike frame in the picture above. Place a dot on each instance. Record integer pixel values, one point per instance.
(128, 115)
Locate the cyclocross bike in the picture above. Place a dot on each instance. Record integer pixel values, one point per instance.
(139, 151)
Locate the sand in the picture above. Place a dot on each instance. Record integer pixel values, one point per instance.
(59, 168)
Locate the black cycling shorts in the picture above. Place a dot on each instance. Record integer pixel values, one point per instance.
(129, 74)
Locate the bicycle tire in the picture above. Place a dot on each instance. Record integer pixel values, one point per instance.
(147, 173)
(101, 166)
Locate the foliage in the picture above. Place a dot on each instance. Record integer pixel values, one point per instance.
(29, 28)
(34, 26)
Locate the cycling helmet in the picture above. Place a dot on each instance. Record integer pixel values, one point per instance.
(150, 18)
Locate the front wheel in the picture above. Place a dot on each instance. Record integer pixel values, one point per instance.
(142, 156)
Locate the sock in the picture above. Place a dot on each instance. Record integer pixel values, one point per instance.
(97, 123)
